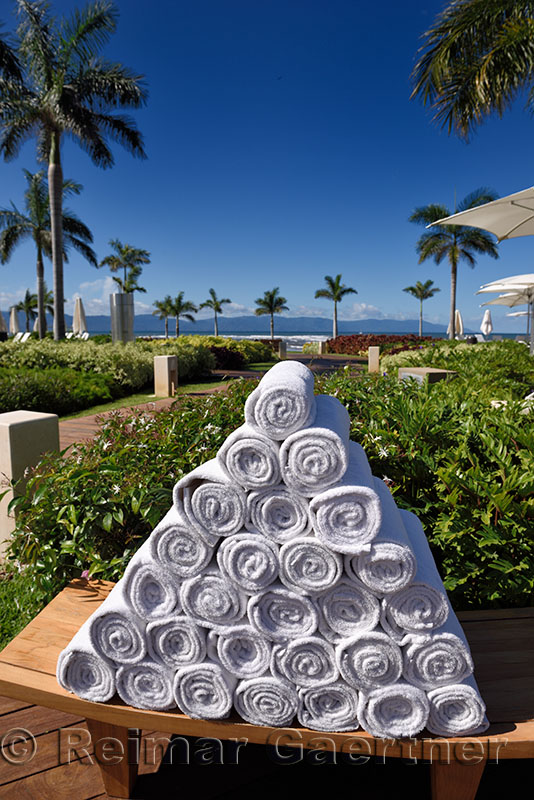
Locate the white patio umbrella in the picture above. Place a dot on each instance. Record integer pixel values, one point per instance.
(507, 218)
(79, 325)
(486, 325)
(13, 321)
(458, 324)
(519, 297)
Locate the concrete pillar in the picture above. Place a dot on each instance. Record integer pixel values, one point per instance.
(122, 317)
(24, 437)
(373, 359)
(165, 375)
(282, 350)
(323, 348)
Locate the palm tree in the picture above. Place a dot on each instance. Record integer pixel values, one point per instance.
(66, 90)
(164, 311)
(182, 308)
(422, 291)
(16, 227)
(28, 306)
(454, 242)
(475, 59)
(335, 291)
(215, 304)
(129, 259)
(9, 63)
(271, 303)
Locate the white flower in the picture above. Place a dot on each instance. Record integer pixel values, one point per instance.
(106, 445)
(382, 453)
(115, 489)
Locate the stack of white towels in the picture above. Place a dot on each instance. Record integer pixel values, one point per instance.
(284, 583)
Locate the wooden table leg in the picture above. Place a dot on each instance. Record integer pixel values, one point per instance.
(455, 780)
(116, 755)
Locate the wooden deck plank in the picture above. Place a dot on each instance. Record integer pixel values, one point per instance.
(77, 780)
(8, 705)
(37, 720)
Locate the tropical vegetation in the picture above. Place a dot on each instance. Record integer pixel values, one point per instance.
(335, 291)
(128, 259)
(16, 227)
(182, 308)
(357, 344)
(422, 291)
(163, 311)
(455, 243)
(464, 466)
(216, 305)
(476, 59)
(271, 303)
(55, 85)
(28, 306)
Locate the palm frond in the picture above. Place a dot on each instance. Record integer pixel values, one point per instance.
(426, 215)
(9, 63)
(86, 32)
(37, 44)
(103, 85)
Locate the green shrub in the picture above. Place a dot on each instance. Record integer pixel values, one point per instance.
(59, 391)
(359, 343)
(464, 467)
(94, 507)
(251, 350)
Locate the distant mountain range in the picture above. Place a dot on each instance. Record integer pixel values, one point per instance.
(146, 323)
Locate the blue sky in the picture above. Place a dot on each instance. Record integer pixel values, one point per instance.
(282, 146)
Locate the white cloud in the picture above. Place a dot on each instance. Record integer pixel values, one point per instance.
(359, 311)
(95, 296)
(8, 299)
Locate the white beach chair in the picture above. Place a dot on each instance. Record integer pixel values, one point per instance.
(25, 337)
(18, 336)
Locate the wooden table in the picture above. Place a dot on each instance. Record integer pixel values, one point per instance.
(502, 643)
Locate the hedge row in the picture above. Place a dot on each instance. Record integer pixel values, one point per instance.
(61, 391)
(358, 344)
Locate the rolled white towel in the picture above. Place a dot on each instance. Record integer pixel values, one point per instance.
(176, 641)
(389, 565)
(241, 650)
(249, 561)
(115, 631)
(347, 516)
(178, 546)
(283, 401)
(308, 661)
(212, 601)
(421, 607)
(308, 567)
(83, 671)
(315, 458)
(250, 459)
(348, 609)
(444, 658)
(329, 708)
(149, 588)
(369, 660)
(204, 691)
(280, 614)
(266, 701)
(457, 710)
(394, 711)
(211, 501)
(278, 513)
(146, 685)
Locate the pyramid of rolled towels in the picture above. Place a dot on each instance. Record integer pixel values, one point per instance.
(284, 583)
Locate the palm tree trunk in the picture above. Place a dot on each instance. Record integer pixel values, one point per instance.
(55, 194)
(453, 300)
(177, 326)
(272, 326)
(166, 327)
(41, 319)
(335, 320)
(216, 325)
(420, 318)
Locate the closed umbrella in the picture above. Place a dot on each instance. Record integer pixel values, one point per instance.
(13, 321)
(458, 323)
(79, 325)
(487, 325)
(512, 299)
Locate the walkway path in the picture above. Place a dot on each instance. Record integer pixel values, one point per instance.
(82, 428)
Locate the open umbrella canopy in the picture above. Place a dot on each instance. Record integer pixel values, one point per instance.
(79, 324)
(14, 321)
(517, 314)
(507, 218)
(486, 325)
